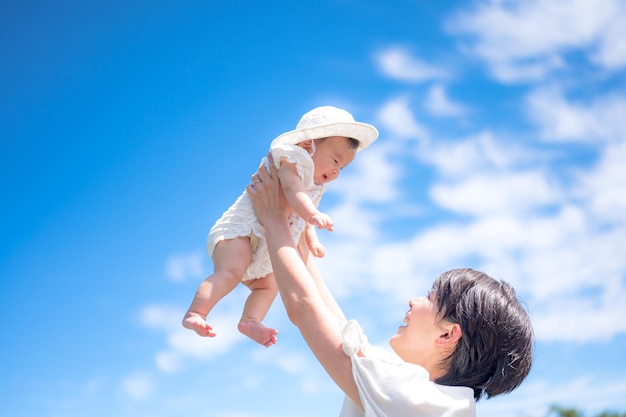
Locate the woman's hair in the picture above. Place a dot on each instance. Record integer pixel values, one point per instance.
(494, 354)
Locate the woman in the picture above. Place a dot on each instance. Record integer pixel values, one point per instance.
(469, 338)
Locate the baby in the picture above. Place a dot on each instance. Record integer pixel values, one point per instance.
(325, 140)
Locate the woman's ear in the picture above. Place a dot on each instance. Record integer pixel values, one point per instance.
(450, 334)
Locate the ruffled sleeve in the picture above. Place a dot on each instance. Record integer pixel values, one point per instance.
(390, 387)
(296, 155)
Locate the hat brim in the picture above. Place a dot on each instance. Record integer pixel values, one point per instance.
(363, 132)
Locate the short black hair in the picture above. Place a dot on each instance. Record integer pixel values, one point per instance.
(494, 354)
(352, 143)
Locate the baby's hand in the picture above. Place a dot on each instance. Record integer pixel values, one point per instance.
(322, 221)
(316, 248)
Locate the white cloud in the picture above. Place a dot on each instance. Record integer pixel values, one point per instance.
(507, 192)
(138, 386)
(611, 50)
(569, 273)
(372, 169)
(292, 362)
(569, 264)
(604, 187)
(169, 361)
(581, 319)
(397, 63)
(397, 117)
(181, 267)
(438, 103)
(556, 235)
(184, 344)
(188, 343)
(532, 398)
(161, 317)
(296, 362)
(480, 152)
(369, 181)
(524, 40)
(598, 119)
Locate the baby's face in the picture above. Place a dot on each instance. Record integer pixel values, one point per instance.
(330, 157)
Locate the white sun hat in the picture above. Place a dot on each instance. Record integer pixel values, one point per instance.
(326, 121)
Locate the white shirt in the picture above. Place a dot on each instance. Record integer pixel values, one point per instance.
(391, 387)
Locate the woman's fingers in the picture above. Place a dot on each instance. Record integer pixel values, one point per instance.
(262, 173)
(273, 169)
(265, 191)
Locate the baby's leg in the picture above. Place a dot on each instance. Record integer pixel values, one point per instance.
(258, 303)
(230, 259)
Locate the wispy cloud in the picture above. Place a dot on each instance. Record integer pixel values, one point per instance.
(554, 232)
(138, 386)
(180, 267)
(398, 63)
(438, 103)
(182, 344)
(397, 117)
(598, 119)
(602, 187)
(589, 394)
(527, 40)
(508, 192)
(482, 151)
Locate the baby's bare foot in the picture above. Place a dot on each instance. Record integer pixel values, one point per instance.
(198, 324)
(256, 331)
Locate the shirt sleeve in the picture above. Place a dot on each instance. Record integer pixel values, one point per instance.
(390, 387)
(296, 155)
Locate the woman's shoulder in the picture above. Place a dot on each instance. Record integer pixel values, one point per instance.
(355, 342)
(383, 375)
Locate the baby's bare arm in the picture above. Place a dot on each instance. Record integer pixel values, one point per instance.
(295, 191)
(322, 221)
(315, 246)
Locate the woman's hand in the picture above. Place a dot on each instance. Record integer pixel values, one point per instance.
(267, 195)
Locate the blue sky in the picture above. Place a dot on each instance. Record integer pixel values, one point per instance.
(128, 127)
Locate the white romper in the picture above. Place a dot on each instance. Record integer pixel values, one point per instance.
(240, 219)
(391, 387)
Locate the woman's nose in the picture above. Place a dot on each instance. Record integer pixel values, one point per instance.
(415, 300)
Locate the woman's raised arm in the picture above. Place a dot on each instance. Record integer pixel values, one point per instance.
(305, 306)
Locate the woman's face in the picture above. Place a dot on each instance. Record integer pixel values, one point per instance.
(415, 341)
